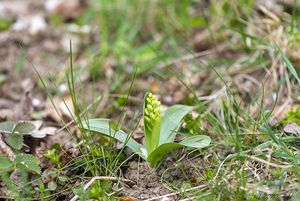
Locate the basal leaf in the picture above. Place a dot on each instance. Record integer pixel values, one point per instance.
(24, 128)
(28, 162)
(163, 150)
(7, 127)
(171, 122)
(102, 126)
(197, 141)
(5, 163)
(154, 138)
(14, 140)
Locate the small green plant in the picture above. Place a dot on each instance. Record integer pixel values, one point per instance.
(15, 161)
(160, 131)
(292, 116)
(53, 156)
(14, 133)
(22, 165)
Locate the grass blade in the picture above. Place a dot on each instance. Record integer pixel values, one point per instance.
(289, 64)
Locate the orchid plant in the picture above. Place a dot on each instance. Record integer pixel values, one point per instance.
(160, 130)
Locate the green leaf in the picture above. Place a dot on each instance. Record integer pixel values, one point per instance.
(5, 164)
(154, 137)
(52, 186)
(15, 140)
(5, 23)
(81, 193)
(171, 122)
(29, 162)
(197, 141)
(147, 127)
(163, 150)
(24, 128)
(102, 126)
(7, 127)
(289, 65)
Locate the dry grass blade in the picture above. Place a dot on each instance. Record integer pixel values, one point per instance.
(176, 193)
(268, 163)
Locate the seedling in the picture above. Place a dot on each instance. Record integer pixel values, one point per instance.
(16, 161)
(53, 156)
(160, 131)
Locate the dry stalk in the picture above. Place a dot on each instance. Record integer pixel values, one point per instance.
(175, 193)
(267, 162)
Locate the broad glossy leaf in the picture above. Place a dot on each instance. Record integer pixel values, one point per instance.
(171, 122)
(163, 150)
(102, 126)
(24, 128)
(7, 127)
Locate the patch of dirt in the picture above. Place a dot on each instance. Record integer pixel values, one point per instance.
(147, 182)
(151, 183)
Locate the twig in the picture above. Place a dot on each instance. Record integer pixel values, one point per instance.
(267, 162)
(100, 178)
(222, 163)
(176, 193)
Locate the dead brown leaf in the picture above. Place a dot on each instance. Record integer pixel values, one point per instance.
(40, 132)
(292, 128)
(127, 198)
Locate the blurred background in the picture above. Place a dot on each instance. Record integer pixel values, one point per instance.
(176, 49)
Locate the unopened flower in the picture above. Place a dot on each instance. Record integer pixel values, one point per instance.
(152, 109)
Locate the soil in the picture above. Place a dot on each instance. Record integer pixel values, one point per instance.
(147, 182)
(171, 175)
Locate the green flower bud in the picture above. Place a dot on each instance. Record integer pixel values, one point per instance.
(157, 110)
(152, 109)
(152, 116)
(147, 119)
